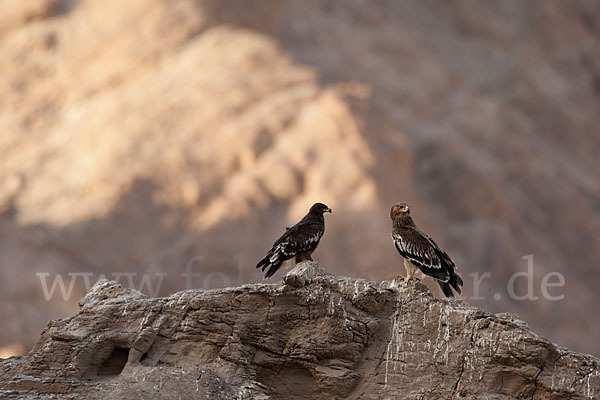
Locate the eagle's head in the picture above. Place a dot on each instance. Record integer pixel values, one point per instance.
(399, 210)
(319, 208)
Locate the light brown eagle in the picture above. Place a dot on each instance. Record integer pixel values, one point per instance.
(421, 252)
(298, 242)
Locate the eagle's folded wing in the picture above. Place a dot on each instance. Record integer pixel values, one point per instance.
(444, 258)
(302, 239)
(417, 249)
(298, 239)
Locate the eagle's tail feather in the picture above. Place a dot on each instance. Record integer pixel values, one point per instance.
(445, 289)
(455, 282)
(272, 261)
(272, 270)
(264, 262)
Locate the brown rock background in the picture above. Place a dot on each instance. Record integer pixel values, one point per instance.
(138, 136)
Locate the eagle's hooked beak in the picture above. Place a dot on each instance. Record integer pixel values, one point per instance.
(329, 210)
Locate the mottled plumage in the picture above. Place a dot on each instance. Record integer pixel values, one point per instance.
(421, 252)
(298, 242)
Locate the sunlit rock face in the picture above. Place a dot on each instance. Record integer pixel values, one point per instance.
(140, 135)
(317, 336)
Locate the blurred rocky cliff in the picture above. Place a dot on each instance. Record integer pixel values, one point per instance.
(159, 136)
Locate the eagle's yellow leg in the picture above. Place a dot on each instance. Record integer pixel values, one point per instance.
(410, 271)
(291, 263)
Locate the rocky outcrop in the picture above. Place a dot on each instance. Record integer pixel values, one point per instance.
(139, 134)
(312, 336)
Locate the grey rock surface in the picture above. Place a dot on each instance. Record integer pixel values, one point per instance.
(322, 337)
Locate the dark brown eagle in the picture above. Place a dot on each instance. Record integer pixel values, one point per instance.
(420, 251)
(298, 242)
